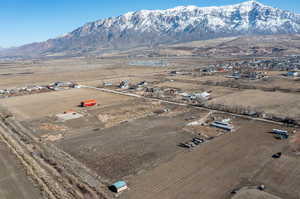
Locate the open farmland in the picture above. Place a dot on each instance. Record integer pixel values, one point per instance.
(276, 82)
(279, 103)
(143, 150)
(23, 73)
(184, 103)
(216, 91)
(129, 148)
(218, 167)
(45, 104)
(145, 139)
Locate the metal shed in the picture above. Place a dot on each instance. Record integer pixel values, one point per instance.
(222, 126)
(119, 186)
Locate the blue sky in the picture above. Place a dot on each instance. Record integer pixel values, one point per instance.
(26, 21)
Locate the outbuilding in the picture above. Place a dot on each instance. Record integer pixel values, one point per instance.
(86, 103)
(222, 125)
(292, 74)
(118, 186)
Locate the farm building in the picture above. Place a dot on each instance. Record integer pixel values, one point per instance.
(85, 103)
(124, 84)
(222, 125)
(292, 74)
(119, 186)
(107, 84)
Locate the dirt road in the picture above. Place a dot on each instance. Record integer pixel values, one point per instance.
(14, 183)
(42, 163)
(179, 104)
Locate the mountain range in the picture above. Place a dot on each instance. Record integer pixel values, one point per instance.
(154, 27)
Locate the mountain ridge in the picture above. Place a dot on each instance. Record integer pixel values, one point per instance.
(179, 24)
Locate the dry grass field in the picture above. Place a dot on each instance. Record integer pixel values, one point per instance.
(138, 140)
(285, 104)
(254, 194)
(131, 147)
(216, 168)
(178, 85)
(199, 79)
(278, 82)
(35, 106)
(18, 74)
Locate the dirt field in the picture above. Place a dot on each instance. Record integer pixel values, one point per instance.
(279, 103)
(179, 85)
(101, 117)
(14, 183)
(45, 104)
(283, 176)
(198, 79)
(131, 147)
(277, 82)
(295, 142)
(253, 194)
(216, 91)
(124, 112)
(18, 74)
(216, 168)
(138, 140)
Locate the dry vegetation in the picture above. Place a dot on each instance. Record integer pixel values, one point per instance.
(138, 139)
(45, 104)
(124, 112)
(278, 103)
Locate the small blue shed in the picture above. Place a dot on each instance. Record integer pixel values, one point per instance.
(119, 186)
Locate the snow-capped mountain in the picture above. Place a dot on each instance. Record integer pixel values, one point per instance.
(249, 16)
(184, 23)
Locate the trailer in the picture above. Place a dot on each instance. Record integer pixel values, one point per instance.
(222, 125)
(282, 134)
(90, 102)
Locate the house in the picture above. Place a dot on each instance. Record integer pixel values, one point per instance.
(63, 84)
(203, 96)
(124, 84)
(197, 96)
(208, 70)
